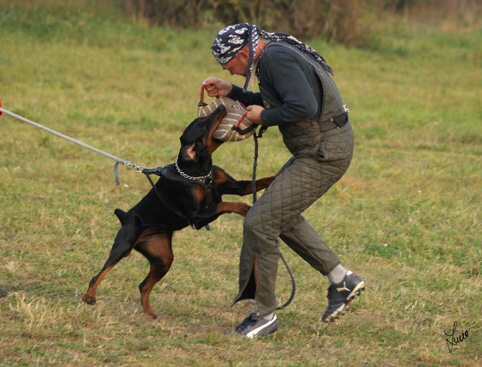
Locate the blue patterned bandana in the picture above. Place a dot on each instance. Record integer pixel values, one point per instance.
(231, 39)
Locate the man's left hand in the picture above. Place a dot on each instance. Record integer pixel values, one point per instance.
(254, 114)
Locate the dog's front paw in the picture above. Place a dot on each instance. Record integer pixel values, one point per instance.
(243, 209)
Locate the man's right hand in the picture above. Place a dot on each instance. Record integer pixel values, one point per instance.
(216, 87)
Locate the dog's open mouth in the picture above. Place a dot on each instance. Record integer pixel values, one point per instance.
(190, 153)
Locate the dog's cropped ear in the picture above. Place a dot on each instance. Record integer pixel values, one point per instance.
(120, 214)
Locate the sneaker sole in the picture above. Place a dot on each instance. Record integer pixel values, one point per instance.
(360, 287)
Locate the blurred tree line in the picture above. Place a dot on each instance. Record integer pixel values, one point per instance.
(348, 22)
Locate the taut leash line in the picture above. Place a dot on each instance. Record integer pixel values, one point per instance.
(98, 151)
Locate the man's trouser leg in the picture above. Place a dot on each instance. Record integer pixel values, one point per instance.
(278, 211)
(303, 239)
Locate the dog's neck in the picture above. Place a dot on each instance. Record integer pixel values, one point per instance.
(194, 171)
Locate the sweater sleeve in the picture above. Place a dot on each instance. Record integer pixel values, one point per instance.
(285, 77)
(247, 98)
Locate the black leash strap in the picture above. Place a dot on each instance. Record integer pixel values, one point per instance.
(255, 166)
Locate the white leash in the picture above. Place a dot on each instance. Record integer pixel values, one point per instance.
(98, 151)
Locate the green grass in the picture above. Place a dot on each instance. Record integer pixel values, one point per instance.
(406, 216)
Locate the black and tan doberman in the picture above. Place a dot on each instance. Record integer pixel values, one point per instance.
(187, 193)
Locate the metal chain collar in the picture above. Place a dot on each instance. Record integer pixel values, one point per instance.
(185, 175)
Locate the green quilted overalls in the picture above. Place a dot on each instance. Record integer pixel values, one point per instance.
(320, 158)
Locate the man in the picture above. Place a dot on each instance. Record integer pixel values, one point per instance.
(298, 96)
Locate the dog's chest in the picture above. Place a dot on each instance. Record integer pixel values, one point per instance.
(201, 188)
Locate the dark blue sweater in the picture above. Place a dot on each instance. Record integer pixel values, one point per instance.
(291, 81)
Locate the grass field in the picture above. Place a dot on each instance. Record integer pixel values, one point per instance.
(406, 216)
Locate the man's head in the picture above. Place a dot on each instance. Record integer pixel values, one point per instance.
(238, 65)
(234, 48)
(236, 45)
(229, 41)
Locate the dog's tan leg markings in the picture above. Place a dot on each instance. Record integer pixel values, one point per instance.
(157, 248)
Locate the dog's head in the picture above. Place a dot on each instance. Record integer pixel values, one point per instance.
(197, 142)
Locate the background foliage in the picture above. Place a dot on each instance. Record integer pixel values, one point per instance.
(349, 22)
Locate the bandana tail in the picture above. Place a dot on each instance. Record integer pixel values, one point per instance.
(252, 45)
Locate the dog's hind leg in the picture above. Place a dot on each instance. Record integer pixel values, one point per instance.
(122, 247)
(157, 248)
